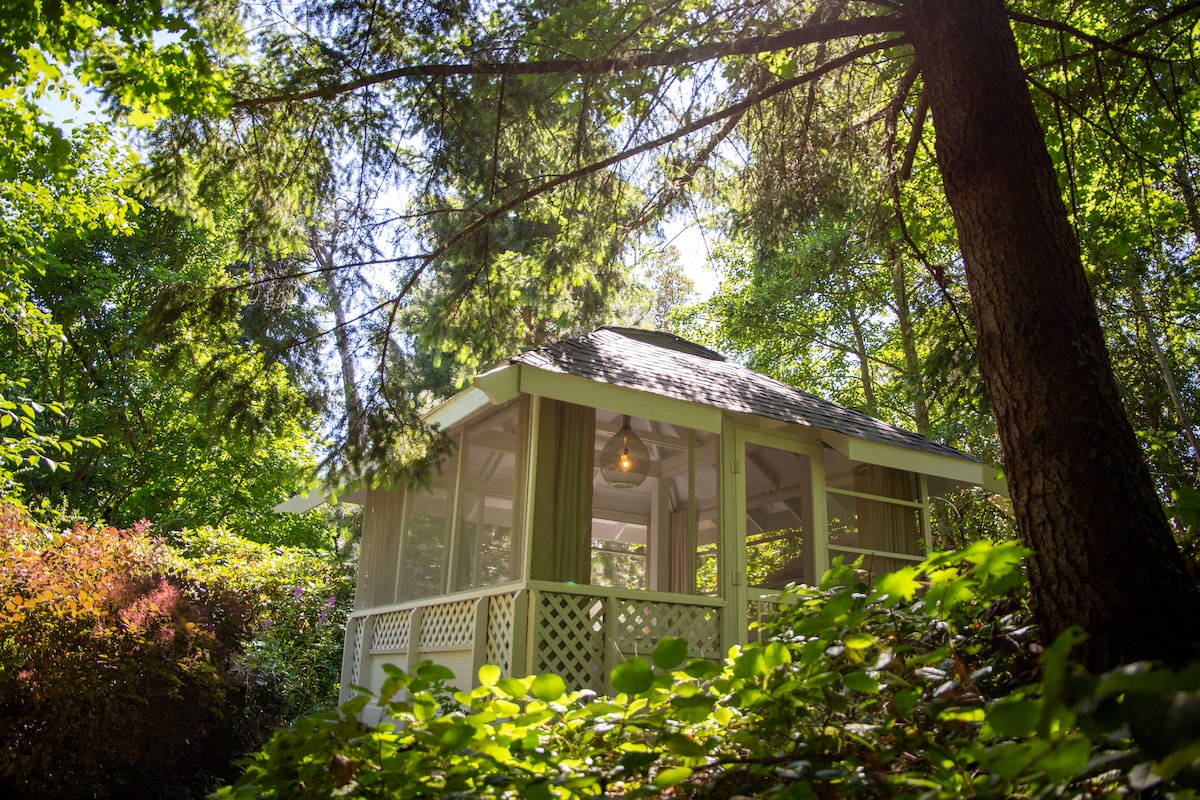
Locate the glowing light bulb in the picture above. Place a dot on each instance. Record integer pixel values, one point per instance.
(624, 461)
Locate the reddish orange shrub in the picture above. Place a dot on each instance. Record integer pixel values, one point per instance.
(114, 669)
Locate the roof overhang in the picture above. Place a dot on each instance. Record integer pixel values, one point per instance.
(303, 503)
(493, 388)
(958, 470)
(618, 399)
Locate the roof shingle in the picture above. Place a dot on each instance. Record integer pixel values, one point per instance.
(662, 363)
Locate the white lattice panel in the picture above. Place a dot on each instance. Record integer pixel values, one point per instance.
(448, 625)
(570, 638)
(392, 631)
(641, 625)
(358, 648)
(501, 618)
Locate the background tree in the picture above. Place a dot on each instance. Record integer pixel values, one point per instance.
(175, 451)
(678, 82)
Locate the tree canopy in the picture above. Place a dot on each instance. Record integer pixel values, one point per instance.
(510, 156)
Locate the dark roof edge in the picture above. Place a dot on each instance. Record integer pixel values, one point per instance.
(666, 339)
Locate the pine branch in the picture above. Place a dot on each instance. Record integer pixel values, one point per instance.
(863, 26)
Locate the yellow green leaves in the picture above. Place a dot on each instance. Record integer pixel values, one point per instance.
(632, 677)
(548, 688)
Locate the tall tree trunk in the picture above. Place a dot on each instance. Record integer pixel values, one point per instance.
(864, 361)
(322, 254)
(1104, 557)
(908, 343)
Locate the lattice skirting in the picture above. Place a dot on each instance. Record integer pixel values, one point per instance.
(759, 611)
(570, 638)
(501, 622)
(358, 648)
(392, 631)
(641, 625)
(448, 625)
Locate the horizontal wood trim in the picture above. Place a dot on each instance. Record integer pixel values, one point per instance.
(895, 501)
(963, 470)
(600, 592)
(458, 408)
(636, 403)
(512, 587)
(862, 551)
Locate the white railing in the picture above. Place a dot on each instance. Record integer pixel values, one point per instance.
(578, 632)
(581, 632)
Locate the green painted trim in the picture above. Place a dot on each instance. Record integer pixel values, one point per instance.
(995, 482)
(731, 539)
(501, 384)
(926, 523)
(887, 455)
(863, 551)
(895, 501)
(820, 515)
(458, 408)
(595, 394)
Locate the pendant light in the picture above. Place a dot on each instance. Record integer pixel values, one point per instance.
(624, 461)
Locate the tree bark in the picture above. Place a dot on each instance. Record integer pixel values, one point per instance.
(908, 343)
(323, 255)
(1104, 557)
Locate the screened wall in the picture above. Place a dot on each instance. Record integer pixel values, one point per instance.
(662, 534)
(876, 512)
(463, 531)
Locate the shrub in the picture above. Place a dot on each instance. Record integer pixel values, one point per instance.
(926, 684)
(115, 668)
(297, 600)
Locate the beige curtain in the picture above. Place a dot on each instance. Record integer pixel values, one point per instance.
(681, 551)
(562, 537)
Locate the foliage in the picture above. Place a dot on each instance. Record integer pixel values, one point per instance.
(1125, 133)
(132, 668)
(296, 601)
(40, 201)
(918, 686)
(200, 426)
(116, 670)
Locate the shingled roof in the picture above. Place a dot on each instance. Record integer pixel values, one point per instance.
(665, 364)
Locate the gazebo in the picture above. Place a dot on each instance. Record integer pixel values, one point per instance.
(609, 490)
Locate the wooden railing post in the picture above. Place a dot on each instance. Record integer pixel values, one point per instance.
(609, 644)
(349, 651)
(479, 637)
(522, 635)
(414, 639)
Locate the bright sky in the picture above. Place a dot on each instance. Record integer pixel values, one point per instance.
(693, 244)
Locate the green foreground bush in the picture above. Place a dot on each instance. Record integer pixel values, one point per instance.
(922, 685)
(129, 671)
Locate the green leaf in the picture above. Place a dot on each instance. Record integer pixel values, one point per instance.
(1066, 759)
(513, 687)
(632, 677)
(548, 688)
(680, 745)
(901, 584)
(428, 671)
(670, 653)
(858, 641)
(861, 682)
(1014, 718)
(458, 736)
(958, 714)
(637, 761)
(671, 777)
(489, 674)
